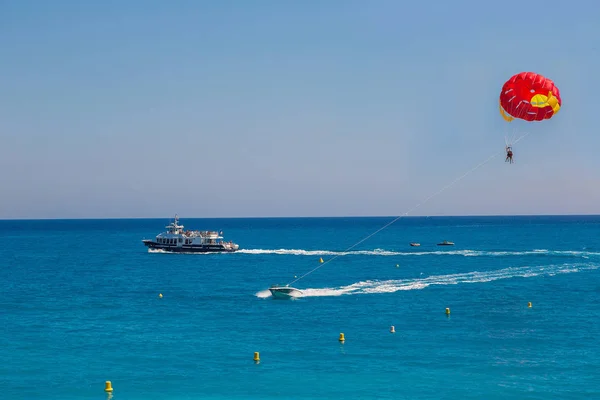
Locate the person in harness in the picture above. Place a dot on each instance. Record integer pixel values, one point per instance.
(509, 154)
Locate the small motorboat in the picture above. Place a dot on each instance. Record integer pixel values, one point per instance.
(284, 292)
(446, 243)
(413, 244)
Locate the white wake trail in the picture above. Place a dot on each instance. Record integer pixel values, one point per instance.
(391, 286)
(382, 252)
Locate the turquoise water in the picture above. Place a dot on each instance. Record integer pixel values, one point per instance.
(79, 305)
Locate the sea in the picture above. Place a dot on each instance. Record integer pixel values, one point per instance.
(81, 304)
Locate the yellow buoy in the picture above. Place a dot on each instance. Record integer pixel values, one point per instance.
(108, 386)
(160, 295)
(342, 338)
(321, 259)
(393, 329)
(529, 304)
(447, 311)
(256, 356)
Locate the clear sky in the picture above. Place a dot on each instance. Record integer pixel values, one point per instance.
(279, 108)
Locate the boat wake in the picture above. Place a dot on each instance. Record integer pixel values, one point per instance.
(382, 252)
(391, 286)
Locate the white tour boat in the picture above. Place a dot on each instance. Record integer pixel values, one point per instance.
(176, 240)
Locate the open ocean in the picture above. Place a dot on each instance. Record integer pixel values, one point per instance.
(80, 305)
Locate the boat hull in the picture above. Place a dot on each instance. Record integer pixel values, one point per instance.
(284, 292)
(206, 248)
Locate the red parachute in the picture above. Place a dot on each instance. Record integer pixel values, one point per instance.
(529, 96)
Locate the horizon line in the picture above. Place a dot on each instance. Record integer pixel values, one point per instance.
(303, 217)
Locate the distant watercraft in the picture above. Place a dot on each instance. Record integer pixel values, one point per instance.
(176, 240)
(284, 292)
(415, 244)
(446, 243)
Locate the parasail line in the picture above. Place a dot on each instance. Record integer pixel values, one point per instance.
(481, 164)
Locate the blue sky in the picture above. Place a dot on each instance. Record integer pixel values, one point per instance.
(306, 108)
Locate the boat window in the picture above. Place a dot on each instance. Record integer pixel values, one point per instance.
(180, 240)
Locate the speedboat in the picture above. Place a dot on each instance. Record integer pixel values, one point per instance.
(446, 243)
(284, 292)
(415, 244)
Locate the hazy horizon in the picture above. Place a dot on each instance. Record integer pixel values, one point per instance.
(305, 217)
(140, 109)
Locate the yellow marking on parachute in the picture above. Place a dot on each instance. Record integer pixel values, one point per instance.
(553, 102)
(539, 100)
(505, 115)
